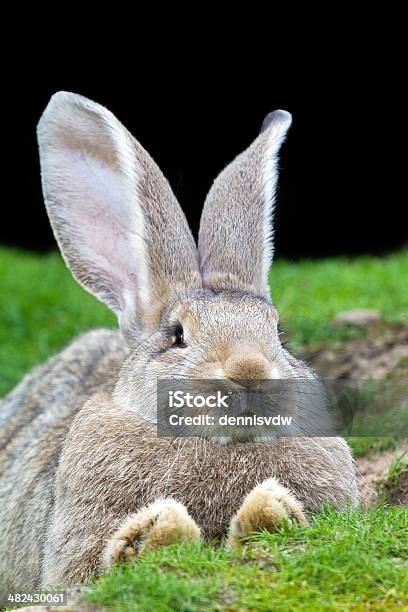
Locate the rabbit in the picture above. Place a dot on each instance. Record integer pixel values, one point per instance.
(85, 481)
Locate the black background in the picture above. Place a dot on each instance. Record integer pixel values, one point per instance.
(338, 169)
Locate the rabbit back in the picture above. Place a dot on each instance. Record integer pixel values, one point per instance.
(34, 419)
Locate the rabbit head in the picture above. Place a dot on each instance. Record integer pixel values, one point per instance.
(185, 312)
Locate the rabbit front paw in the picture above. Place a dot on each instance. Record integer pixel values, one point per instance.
(265, 507)
(161, 523)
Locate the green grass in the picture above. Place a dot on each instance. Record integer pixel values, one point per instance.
(310, 293)
(392, 480)
(42, 308)
(382, 411)
(371, 445)
(345, 561)
(398, 467)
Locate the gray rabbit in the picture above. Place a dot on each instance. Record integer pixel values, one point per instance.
(85, 481)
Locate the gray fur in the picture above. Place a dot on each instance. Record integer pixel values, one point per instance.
(236, 234)
(78, 445)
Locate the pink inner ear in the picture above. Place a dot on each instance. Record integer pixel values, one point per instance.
(98, 212)
(110, 205)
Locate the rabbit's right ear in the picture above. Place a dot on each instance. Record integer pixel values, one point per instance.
(115, 218)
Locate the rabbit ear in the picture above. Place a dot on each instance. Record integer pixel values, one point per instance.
(235, 241)
(115, 218)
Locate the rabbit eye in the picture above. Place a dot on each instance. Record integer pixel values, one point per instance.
(178, 336)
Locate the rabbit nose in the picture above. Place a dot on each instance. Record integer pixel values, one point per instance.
(247, 364)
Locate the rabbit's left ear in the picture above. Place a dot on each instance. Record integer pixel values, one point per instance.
(236, 234)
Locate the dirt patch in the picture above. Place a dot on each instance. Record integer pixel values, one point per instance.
(373, 469)
(383, 353)
(398, 496)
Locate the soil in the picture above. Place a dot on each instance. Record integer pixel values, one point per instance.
(373, 469)
(381, 354)
(399, 495)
